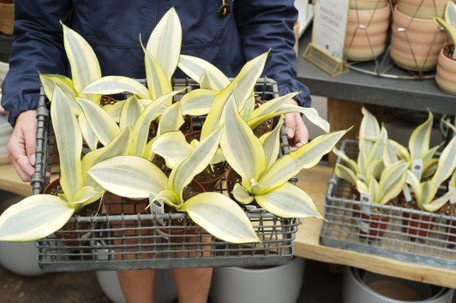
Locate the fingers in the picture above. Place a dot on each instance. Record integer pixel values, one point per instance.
(21, 146)
(290, 125)
(296, 130)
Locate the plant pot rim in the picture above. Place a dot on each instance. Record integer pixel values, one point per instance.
(445, 54)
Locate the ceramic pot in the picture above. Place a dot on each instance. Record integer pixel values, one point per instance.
(165, 289)
(415, 42)
(424, 9)
(366, 33)
(258, 285)
(74, 235)
(446, 71)
(361, 286)
(368, 4)
(20, 258)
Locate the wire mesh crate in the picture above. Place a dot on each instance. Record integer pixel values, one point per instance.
(127, 236)
(385, 230)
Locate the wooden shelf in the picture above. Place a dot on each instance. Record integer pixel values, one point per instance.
(10, 181)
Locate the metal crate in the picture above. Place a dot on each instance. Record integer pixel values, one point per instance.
(125, 236)
(347, 228)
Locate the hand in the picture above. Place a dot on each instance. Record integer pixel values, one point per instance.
(22, 144)
(297, 132)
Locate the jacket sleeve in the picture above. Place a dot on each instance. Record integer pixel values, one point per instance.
(37, 47)
(268, 24)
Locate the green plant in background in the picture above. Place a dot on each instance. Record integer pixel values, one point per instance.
(419, 155)
(449, 195)
(426, 191)
(371, 147)
(449, 22)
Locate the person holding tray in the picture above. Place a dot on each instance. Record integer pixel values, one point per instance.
(226, 33)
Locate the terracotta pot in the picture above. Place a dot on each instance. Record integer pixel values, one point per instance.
(355, 193)
(372, 221)
(415, 42)
(449, 209)
(424, 9)
(366, 33)
(416, 224)
(76, 235)
(452, 232)
(173, 233)
(368, 4)
(446, 71)
(371, 224)
(209, 182)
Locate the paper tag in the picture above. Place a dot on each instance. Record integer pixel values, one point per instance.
(158, 208)
(365, 209)
(253, 208)
(417, 168)
(453, 196)
(407, 195)
(364, 226)
(361, 177)
(365, 202)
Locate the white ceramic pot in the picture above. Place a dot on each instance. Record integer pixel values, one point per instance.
(425, 9)
(446, 73)
(415, 42)
(360, 286)
(366, 33)
(258, 285)
(165, 290)
(20, 258)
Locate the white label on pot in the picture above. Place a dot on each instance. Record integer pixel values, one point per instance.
(364, 226)
(365, 209)
(407, 195)
(361, 177)
(158, 208)
(417, 168)
(365, 202)
(453, 196)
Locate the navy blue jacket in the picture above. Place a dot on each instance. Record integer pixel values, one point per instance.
(112, 28)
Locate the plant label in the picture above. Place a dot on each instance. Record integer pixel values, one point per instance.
(158, 208)
(417, 168)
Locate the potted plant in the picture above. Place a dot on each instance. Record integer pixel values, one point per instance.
(425, 192)
(378, 183)
(446, 66)
(50, 212)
